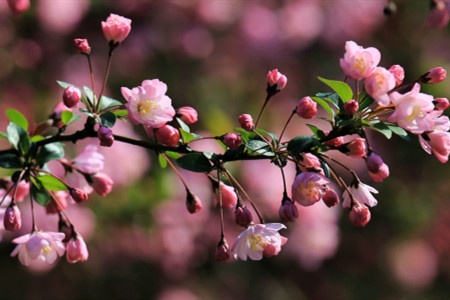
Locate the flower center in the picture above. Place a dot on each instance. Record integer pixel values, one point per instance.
(416, 112)
(256, 242)
(147, 106)
(359, 64)
(308, 190)
(46, 249)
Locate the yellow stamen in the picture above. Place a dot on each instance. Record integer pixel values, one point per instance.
(256, 242)
(47, 249)
(147, 107)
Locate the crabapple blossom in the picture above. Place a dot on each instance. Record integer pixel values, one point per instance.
(276, 80)
(168, 135)
(336, 142)
(89, 160)
(398, 72)
(82, 46)
(243, 216)
(12, 219)
(306, 108)
(378, 84)
(362, 193)
(258, 238)
(358, 62)
(308, 188)
(187, 114)
(193, 203)
(441, 103)
(356, 148)
(359, 215)
(102, 183)
(436, 142)
(148, 104)
(116, 28)
(288, 211)
(330, 198)
(222, 252)
(76, 250)
(229, 197)
(435, 75)
(351, 107)
(246, 122)
(310, 162)
(411, 110)
(105, 136)
(381, 174)
(78, 195)
(232, 140)
(71, 96)
(39, 245)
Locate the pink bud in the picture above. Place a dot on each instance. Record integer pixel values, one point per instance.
(222, 251)
(61, 198)
(76, 250)
(441, 103)
(229, 197)
(57, 112)
(187, 114)
(359, 215)
(105, 136)
(18, 6)
(246, 122)
(168, 135)
(351, 107)
(193, 203)
(232, 140)
(102, 183)
(276, 80)
(357, 148)
(374, 162)
(12, 219)
(71, 96)
(381, 174)
(116, 28)
(435, 75)
(330, 198)
(307, 108)
(78, 195)
(82, 46)
(399, 74)
(243, 216)
(336, 142)
(288, 211)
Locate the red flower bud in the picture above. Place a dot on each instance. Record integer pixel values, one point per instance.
(357, 148)
(359, 215)
(246, 122)
(435, 75)
(441, 103)
(187, 114)
(168, 135)
(276, 80)
(351, 107)
(102, 183)
(330, 198)
(78, 195)
(232, 140)
(193, 203)
(307, 108)
(82, 46)
(222, 251)
(288, 211)
(18, 6)
(71, 96)
(116, 28)
(243, 216)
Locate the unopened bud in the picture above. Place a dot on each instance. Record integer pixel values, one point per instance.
(336, 142)
(246, 122)
(356, 148)
(351, 107)
(243, 216)
(374, 162)
(232, 140)
(12, 219)
(229, 197)
(187, 114)
(71, 96)
(102, 183)
(441, 103)
(76, 250)
(275, 80)
(288, 211)
(222, 251)
(435, 75)
(359, 215)
(306, 108)
(381, 174)
(78, 195)
(168, 135)
(398, 72)
(82, 46)
(193, 203)
(330, 198)
(105, 136)
(116, 28)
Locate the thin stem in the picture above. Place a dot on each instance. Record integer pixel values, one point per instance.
(222, 225)
(91, 74)
(6, 194)
(339, 163)
(176, 171)
(105, 78)
(33, 220)
(262, 108)
(287, 122)
(13, 200)
(403, 86)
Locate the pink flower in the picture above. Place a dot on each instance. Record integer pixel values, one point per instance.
(378, 84)
(18, 6)
(381, 174)
(187, 114)
(356, 148)
(76, 250)
(378, 170)
(310, 162)
(411, 110)
(243, 216)
(257, 239)
(222, 251)
(441, 103)
(276, 80)
(246, 122)
(288, 211)
(45, 246)
(116, 28)
(308, 188)
(435, 75)
(359, 63)
(71, 96)
(362, 193)
(12, 219)
(398, 72)
(102, 183)
(229, 197)
(148, 104)
(89, 160)
(436, 142)
(306, 108)
(359, 215)
(168, 135)
(105, 136)
(351, 107)
(232, 140)
(336, 142)
(82, 46)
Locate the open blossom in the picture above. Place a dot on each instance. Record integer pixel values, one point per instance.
(116, 28)
(436, 142)
(258, 240)
(358, 62)
(89, 160)
(308, 188)
(40, 245)
(362, 193)
(148, 104)
(378, 84)
(411, 110)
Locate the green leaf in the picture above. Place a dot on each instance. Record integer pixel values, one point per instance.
(317, 131)
(174, 155)
(52, 183)
(50, 152)
(195, 162)
(39, 193)
(10, 161)
(120, 113)
(332, 98)
(18, 137)
(301, 144)
(162, 160)
(86, 112)
(63, 84)
(260, 147)
(399, 131)
(183, 125)
(88, 93)
(365, 102)
(108, 119)
(3, 135)
(382, 128)
(109, 102)
(341, 88)
(186, 136)
(273, 136)
(68, 117)
(17, 118)
(36, 138)
(245, 135)
(325, 105)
